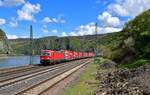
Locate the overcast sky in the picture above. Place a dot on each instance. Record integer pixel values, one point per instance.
(67, 17)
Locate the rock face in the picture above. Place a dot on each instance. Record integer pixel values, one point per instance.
(119, 81)
(108, 64)
(4, 45)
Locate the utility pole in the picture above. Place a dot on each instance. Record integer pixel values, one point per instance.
(31, 45)
(68, 43)
(96, 49)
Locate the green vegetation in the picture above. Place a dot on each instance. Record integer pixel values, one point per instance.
(132, 45)
(2, 34)
(139, 29)
(4, 45)
(99, 60)
(135, 64)
(86, 84)
(83, 43)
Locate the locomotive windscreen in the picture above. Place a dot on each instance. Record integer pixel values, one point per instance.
(45, 53)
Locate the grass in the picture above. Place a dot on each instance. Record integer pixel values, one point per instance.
(82, 87)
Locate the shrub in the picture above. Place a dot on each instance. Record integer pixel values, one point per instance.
(136, 63)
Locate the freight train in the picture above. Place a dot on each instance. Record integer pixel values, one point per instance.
(49, 57)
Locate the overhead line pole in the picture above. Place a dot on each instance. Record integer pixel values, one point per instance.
(31, 45)
(96, 38)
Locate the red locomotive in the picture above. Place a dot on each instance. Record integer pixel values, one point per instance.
(53, 57)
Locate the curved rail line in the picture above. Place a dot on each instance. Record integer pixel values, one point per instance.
(28, 72)
(24, 72)
(28, 75)
(27, 82)
(38, 89)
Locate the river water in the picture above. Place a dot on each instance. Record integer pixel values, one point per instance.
(16, 61)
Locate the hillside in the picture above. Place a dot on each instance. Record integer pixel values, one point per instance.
(132, 44)
(4, 44)
(80, 43)
(139, 29)
(124, 67)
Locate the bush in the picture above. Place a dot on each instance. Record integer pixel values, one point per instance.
(100, 60)
(97, 60)
(136, 64)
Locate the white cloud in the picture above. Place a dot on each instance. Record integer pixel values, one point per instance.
(10, 3)
(47, 20)
(62, 21)
(50, 20)
(104, 30)
(119, 9)
(129, 7)
(55, 31)
(108, 20)
(64, 34)
(2, 21)
(86, 29)
(28, 11)
(13, 22)
(61, 18)
(24, 37)
(15, 36)
(89, 29)
(73, 34)
(45, 29)
(12, 36)
(101, 30)
(53, 20)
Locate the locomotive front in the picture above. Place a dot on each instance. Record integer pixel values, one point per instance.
(45, 57)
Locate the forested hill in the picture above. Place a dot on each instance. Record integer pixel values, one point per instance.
(80, 43)
(4, 45)
(132, 45)
(139, 29)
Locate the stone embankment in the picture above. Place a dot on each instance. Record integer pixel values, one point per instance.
(118, 81)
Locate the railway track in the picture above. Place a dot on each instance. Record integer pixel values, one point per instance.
(18, 73)
(24, 72)
(45, 85)
(19, 85)
(16, 70)
(14, 78)
(8, 71)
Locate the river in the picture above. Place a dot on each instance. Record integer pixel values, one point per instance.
(15, 61)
